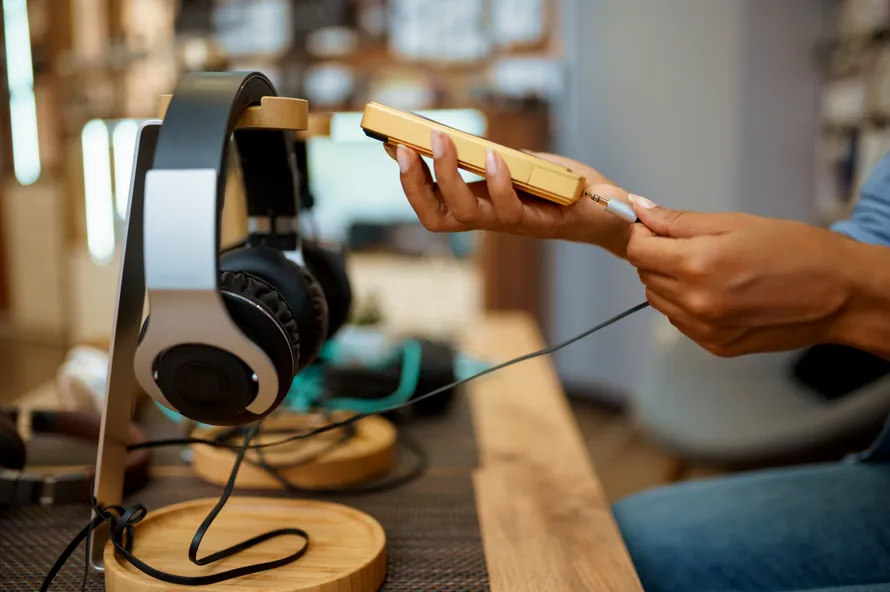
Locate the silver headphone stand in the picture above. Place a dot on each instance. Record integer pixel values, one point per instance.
(121, 384)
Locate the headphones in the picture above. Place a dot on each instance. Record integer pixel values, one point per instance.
(227, 333)
(19, 487)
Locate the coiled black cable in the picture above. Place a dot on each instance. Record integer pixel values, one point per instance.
(121, 521)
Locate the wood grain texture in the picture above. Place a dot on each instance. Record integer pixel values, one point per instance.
(282, 113)
(368, 455)
(545, 522)
(346, 548)
(319, 126)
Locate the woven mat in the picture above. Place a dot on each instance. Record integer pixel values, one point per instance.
(433, 539)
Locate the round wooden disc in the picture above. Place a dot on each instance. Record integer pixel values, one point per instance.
(368, 455)
(346, 547)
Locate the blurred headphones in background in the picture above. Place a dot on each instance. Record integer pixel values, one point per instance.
(226, 334)
(20, 486)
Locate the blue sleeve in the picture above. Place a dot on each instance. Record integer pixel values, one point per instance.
(870, 220)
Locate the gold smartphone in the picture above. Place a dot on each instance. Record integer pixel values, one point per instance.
(529, 173)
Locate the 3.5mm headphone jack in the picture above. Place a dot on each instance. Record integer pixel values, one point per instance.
(615, 207)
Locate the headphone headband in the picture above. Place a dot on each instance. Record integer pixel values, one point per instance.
(200, 121)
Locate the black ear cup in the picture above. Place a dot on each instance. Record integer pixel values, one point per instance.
(211, 385)
(12, 447)
(302, 293)
(329, 269)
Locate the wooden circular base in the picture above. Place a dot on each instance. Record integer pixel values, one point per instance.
(368, 455)
(346, 547)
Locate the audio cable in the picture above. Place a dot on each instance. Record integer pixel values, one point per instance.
(358, 417)
(122, 520)
(415, 469)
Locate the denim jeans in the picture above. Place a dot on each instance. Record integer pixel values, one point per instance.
(815, 528)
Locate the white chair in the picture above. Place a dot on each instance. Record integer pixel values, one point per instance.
(747, 410)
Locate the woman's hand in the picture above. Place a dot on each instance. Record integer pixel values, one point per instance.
(739, 284)
(452, 205)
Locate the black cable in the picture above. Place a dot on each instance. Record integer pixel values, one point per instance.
(360, 416)
(388, 482)
(348, 434)
(418, 468)
(122, 520)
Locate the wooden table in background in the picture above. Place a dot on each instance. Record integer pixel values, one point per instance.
(545, 522)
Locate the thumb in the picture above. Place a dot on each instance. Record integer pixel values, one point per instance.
(666, 222)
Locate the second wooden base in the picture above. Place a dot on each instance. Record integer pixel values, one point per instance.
(346, 547)
(368, 455)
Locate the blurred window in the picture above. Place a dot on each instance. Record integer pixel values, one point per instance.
(353, 179)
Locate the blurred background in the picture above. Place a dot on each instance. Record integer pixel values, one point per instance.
(774, 108)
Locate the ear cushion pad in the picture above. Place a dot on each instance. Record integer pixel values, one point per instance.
(260, 291)
(329, 269)
(302, 293)
(12, 447)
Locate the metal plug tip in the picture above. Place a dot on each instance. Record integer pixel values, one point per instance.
(597, 198)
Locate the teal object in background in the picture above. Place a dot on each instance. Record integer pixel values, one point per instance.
(307, 392)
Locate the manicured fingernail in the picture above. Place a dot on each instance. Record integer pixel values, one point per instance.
(436, 142)
(641, 201)
(491, 163)
(403, 158)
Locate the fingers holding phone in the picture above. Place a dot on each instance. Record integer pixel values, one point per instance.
(495, 204)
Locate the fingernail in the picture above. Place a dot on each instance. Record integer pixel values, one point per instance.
(491, 162)
(436, 142)
(390, 150)
(641, 201)
(403, 158)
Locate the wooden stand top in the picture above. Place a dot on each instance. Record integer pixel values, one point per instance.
(545, 522)
(282, 113)
(319, 126)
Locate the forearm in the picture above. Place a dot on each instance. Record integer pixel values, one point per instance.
(864, 323)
